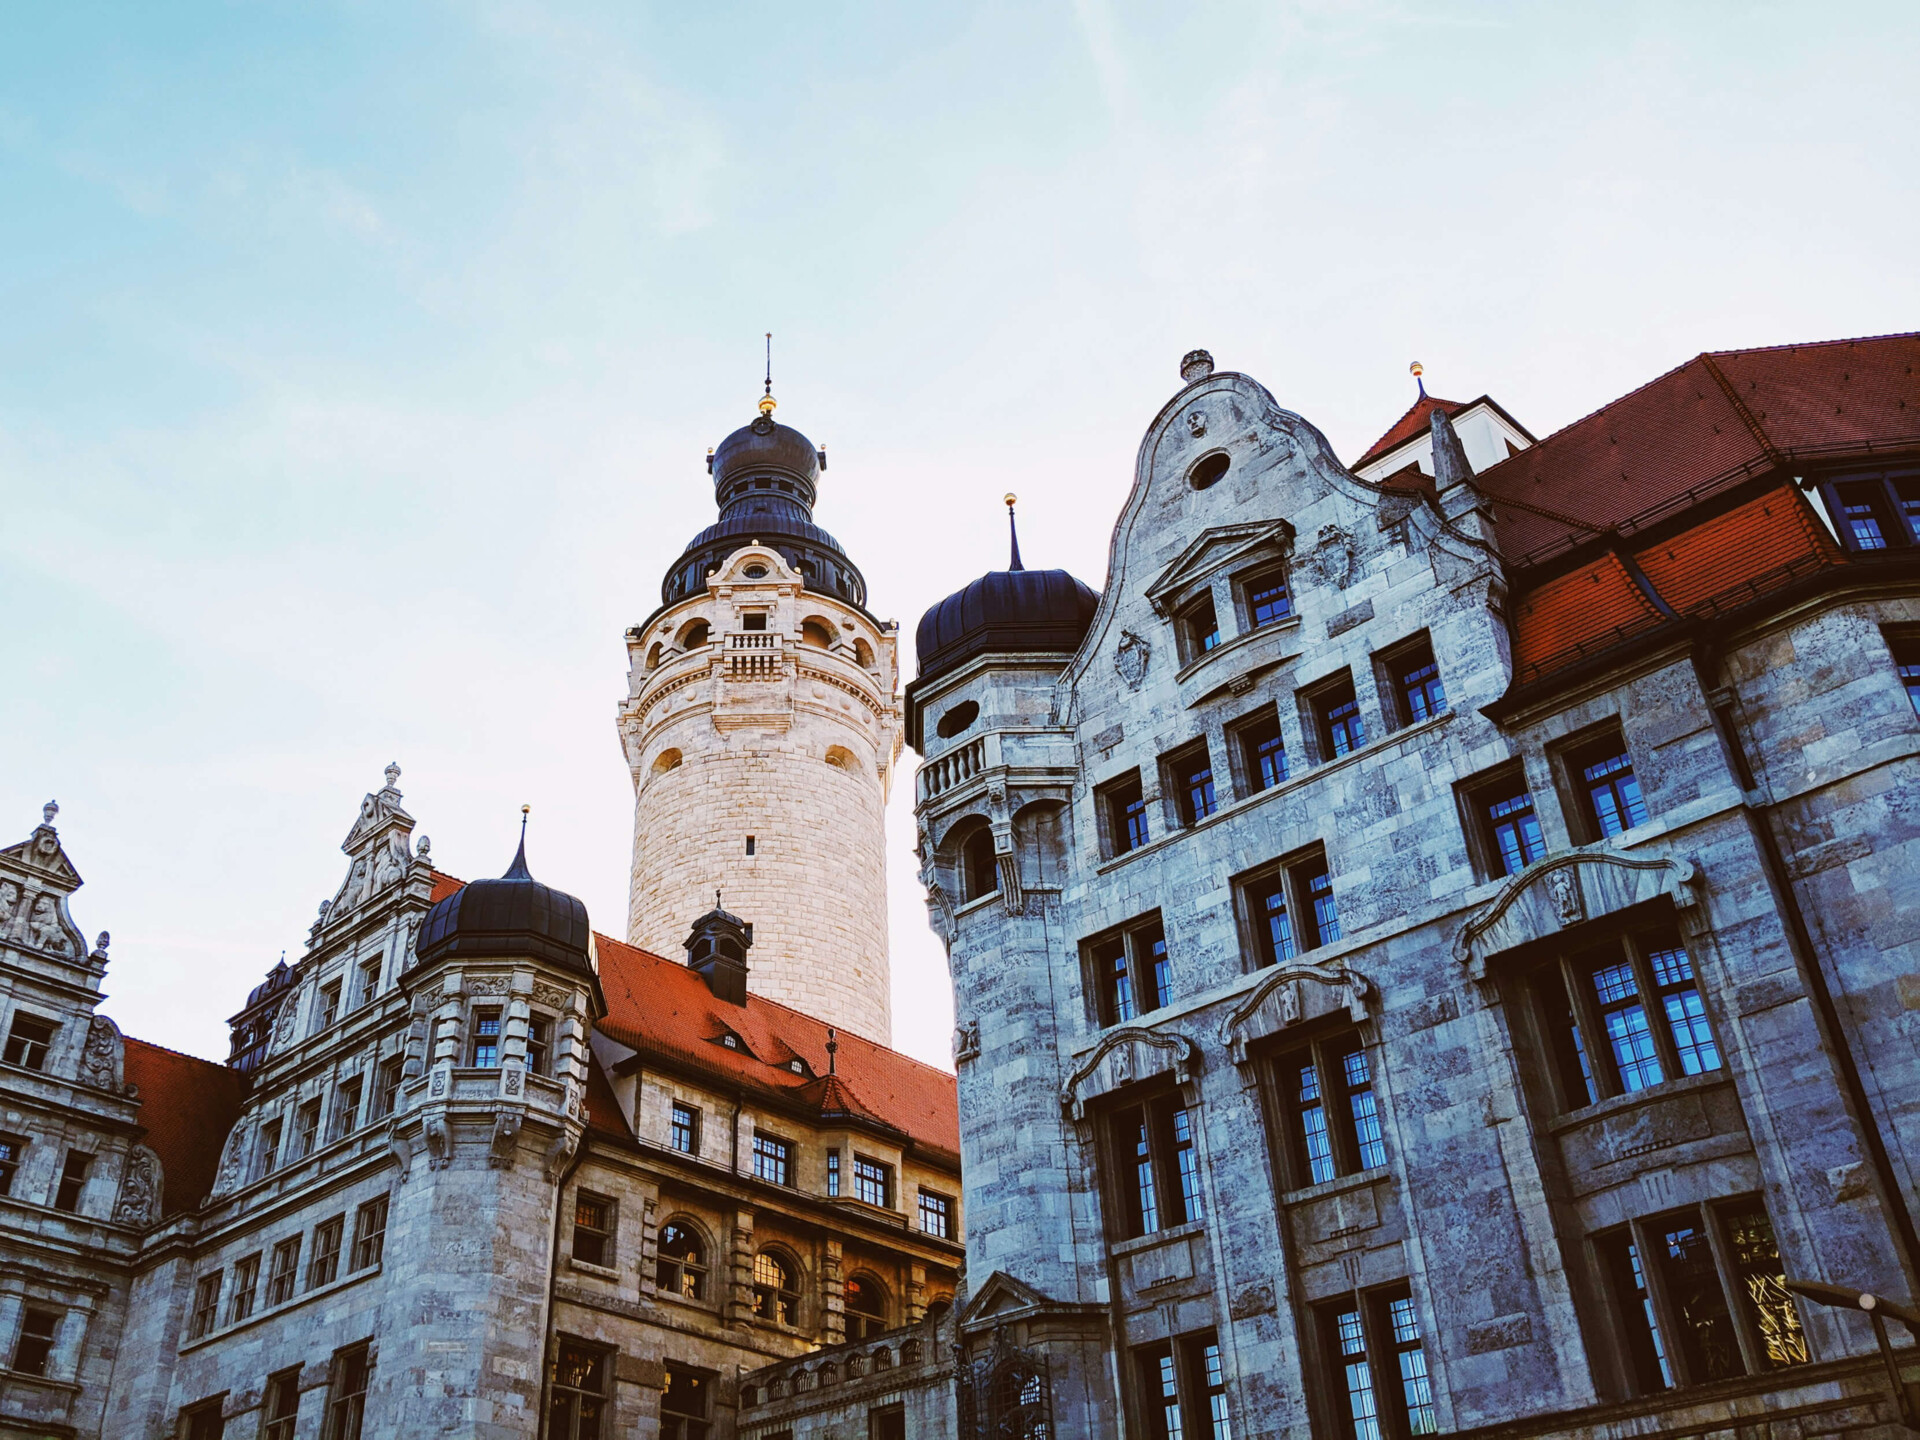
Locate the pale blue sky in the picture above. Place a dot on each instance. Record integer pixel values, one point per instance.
(357, 362)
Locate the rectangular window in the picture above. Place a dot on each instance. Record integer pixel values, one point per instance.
(1866, 523)
(73, 1181)
(593, 1230)
(1381, 1388)
(685, 1134)
(12, 1147)
(1267, 599)
(1322, 913)
(484, 1052)
(1263, 752)
(1269, 919)
(1329, 1111)
(1501, 814)
(246, 1289)
(1417, 692)
(538, 1045)
(1210, 1387)
(1123, 805)
(1130, 971)
(872, 1182)
(285, 1272)
(369, 1233)
(1198, 628)
(1160, 1398)
(1609, 796)
(329, 1005)
(685, 1404)
(391, 1075)
(325, 1264)
(936, 1215)
(1158, 1174)
(1114, 976)
(1189, 775)
(206, 1305)
(369, 988)
(833, 1172)
(1184, 1389)
(772, 1159)
(280, 1406)
(346, 1109)
(306, 1129)
(1335, 711)
(28, 1040)
(1639, 1324)
(1287, 907)
(887, 1423)
(347, 1392)
(204, 1421)
(33, 1350)
(1906, 660)
(577, 1403)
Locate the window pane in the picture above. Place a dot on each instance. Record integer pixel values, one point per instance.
(1516, 832)
(1147, 1199)
(1416, 1389)
(1312, 1118)
(1628, 1035)
(1273, 926)
(1614, 793)
(1326, 915)
(1187, 1163)
(1756, 1261)
(1366, 1115)
(1706, 1335)
(1420, 690)
(1358, 1375)
(1154, 946)
(1267, 600)
(1860, 510)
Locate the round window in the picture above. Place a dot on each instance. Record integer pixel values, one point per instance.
(957, 719)
(1209, 470)
(755, 572)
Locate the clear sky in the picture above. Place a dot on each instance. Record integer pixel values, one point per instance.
(357, 361)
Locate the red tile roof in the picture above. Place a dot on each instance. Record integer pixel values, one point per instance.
(1721, 417)
(1411, 424)
(1577, 613)
(187, 1105)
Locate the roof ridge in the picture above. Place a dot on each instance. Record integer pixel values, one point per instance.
(1816, 344)
(1380, 446)
(169, 1050)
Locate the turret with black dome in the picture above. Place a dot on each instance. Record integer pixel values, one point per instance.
(515, 916)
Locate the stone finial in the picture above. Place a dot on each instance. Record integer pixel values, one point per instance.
(392, 773)
(1195, 365)
(100, 945)
(423, 847)
(48, 811)
(1450, 465)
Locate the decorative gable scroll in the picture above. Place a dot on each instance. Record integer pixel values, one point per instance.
(1567, 890)
(1126, 1055)
(1213, 550)
(1293, 993)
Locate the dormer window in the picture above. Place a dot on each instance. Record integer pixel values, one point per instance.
(732, 1042)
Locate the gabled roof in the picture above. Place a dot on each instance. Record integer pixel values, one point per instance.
(187, 1105)
(1411, 425)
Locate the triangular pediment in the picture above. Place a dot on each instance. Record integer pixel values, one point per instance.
(42, 857)
(1001, 1295)
(1214, 549)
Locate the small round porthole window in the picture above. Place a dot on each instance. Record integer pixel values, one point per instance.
(755, 572)
(957, 719)
(1209, 470)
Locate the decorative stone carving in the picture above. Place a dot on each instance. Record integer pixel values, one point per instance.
(1290, 993)
(966, 1041)
(401, 1148)
(99, 956)
(9, 902)
(230, 1166)
(506, 1133)
(46, 931)
(1331, 559)
(1564, 886)
(553, 997)
(1131, 658)
(1568, 889)
(437, 1086)
(558, 1153)
(100, 1058)
(1195, 366)
(1252, 1300)
(439, 1138)
(1196, 423)
(488, 984)
(139, 1202)
(1124, 1055)
(510, 1079)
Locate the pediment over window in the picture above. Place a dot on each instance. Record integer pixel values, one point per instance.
(1555, 894)
(1293, 994)
(1125, 1056)
(1001, 1298)
(1213, 550)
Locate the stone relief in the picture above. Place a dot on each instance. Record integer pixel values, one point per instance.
(1564, 887)
(510, 1079)
(553, 997)
(401, 1148)
(558, 1153)
(100, 1059)
(506, 1132)
(45, 930)
(230, 1166)
(9, 902)
(488, 984)
(1131, 658)
(1196, 423)
(139, 1202)
(439, 1138)
(966, 1041)
(437, 1086)
(1331, 558)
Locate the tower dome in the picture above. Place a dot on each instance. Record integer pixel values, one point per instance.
(514, 915)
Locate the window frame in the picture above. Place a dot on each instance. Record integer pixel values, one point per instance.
(539, 1051)
(1573, 757)
(13, 1150)
(779, 1153)
(1181, 1388)
(1247, 738)
(32, 1052)
(393, 1074)
(1375, 1328)
(1903, 648)
(979, 864)
(242, 1298)
(345, 1414)
(600, 1238)
(1189, 784)
(935, 1203)
(204, 1315)
(306, 1129)
(348, 1097)
(283, 1270)
(330, 997)
(1120, 804)
(1196, 627)
(1249, 583)
(1399, 665)
(872, 1177)
(678, 1109)
(1325, 709)
(1128, 971)
(370, 973)
(1350, 1150)
(687, 1424)
(1309, 910)
(369, 1235)
(1476, 797)
(329, 1238)
(71, 1187)
(488, 1043)
(204, 1419)
(600, 1362)
(279, 1419)
(43, 1344)
(671, 1272)
(1881, 498)
(777, 1304)
(872, 1322)
(1152, 1164)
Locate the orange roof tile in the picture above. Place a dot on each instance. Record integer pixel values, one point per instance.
(1579, 612)
(1409, 425)
(1768, 539)
(187, 1105)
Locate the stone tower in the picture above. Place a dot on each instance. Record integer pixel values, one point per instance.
(761, 724)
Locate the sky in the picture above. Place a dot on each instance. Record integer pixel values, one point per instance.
(358, 361)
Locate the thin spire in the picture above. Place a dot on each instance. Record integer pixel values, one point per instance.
(1416, 369)
(833, 1051)
(1013, 533)
(518, 870)
(767, 402)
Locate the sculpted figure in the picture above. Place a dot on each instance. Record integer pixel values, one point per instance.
(392, 868)
(9, 901)
(506, 1130)
(439, 1142)
(45, 930)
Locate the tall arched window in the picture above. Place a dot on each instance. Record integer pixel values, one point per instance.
(815, 632)
(694, 635)
(776, 1293)
(682, 1268)
(866, 1307)
(980, 873)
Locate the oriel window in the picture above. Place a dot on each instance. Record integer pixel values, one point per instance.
(1329, 1110)
(1267, 599)
(1156, 1171)
(577, 1403)
(1198, 628)
(872, 1182)
(28, 1040)
(539, 1033)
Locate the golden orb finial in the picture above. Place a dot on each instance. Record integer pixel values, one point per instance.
(767, 402)
(1009, 497)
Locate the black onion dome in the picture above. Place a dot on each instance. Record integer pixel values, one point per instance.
(514, 915)
(279, 978)
(765, 480)
(1004, 610)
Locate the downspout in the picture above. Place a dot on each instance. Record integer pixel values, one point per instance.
(553, 1282)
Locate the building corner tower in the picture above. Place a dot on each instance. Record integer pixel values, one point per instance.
(762, 725)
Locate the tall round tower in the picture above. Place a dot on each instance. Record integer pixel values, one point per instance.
(762, 724)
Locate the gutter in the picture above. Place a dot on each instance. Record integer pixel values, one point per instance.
(553, 1283)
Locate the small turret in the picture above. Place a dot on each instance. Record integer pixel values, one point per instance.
(717, 947)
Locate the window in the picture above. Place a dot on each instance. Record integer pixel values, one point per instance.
(592, 1230)
(577, 1399)
(284, 1272)
(981, 872)
(391, 1074)
(776, 1294)
(347, 1392)
(1876, 512)
(1328, 1110)
(754, 620)
(1417, 692)
(246, 1288)
(750, 843)
(204, 1421)
(28, 1040)
(1189, 775)
(73, 1180)
(1268, 918)
(12, 1147)
(833, 1172)
(1603, 781)
(1266, 598)
(538, 1044)
(34, 1348)
(1123, 807)
(1503, 826)
(369, 1233)
(1161, 1380)
(1381, 1389)
(269, 1147)
(685, 1133)
(346, 1109)
(206, 1305)
(1198, 628)
(1263, 753)
(280, 1406)
(306, 1129)
(872, 1182)
(329, 1005)
(887, 1423)
(1288, 907)
(1158, 1175)
(1322, 914)
(325, 1263)
(1716, 1306)
(1337, 725)
(1906, 659)
(866, 1307)
(772, 1159)
(1131, 971)
(369, 988)
(1184, 1389)
(484, 1052)
(936, 1215)
(1638, 995)
(681, 1269)
(685, 1403)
